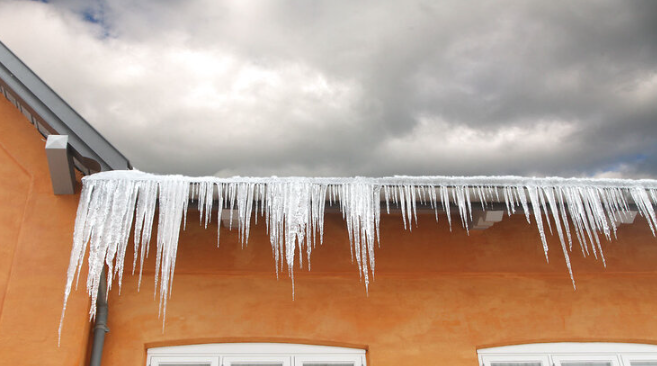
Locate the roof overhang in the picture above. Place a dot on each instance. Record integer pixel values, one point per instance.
(53, 116)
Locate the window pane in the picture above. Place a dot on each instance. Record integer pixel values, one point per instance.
(586, 363)
(515, 364)
(331, 364)
(643, 363)
(256, 364)
(182, 364)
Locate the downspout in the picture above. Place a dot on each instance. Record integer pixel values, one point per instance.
(101, 322)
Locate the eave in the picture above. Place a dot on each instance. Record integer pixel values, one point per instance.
(51, 115)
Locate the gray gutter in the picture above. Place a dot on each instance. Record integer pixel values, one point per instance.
(49, 110)
(101, 323)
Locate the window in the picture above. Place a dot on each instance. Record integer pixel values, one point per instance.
(570, 354)
(257, 354)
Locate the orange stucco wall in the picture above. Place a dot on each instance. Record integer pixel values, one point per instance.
(438, 295)
(35, 236)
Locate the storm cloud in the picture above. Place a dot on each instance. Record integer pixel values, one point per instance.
(343, 88)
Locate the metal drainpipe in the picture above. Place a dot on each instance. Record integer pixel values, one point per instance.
(101, 322)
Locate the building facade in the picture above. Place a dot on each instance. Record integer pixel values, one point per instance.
(439, 296)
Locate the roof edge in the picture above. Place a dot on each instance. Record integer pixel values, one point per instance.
(57, 116)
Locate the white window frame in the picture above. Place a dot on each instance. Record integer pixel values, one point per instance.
(511, 358)
(229, 354)
(612, 358)
(307, 360)
(255, 359)
(183, 360)
(553, 354)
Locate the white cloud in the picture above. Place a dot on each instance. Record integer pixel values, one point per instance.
(459, 148)
(173, 102)
(336, 88)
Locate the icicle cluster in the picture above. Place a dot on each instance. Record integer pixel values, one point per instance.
(294, 213)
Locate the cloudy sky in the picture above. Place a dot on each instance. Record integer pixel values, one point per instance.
(344, 88)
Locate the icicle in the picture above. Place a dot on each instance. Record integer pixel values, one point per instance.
(293, 210)
(523, 201)
(564, 215)
(536, 207)
(125, 223)
(507, 201)
(589, 221)
(401, 192)
(434, 200)
(220, 206)
(147, 195)
(479, 191)
(462, 204)
(80, 239)
(173, 197)
(444, 198)
(413, 202)
(386, 193)
(578, 217)
(549, 193)
(646, 210)
(545, 209)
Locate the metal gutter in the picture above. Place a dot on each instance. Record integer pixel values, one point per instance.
(54, 115)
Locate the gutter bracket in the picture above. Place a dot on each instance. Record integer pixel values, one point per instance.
(483, 220)
(60, 163)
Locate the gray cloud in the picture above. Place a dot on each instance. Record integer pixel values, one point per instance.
(355, 88)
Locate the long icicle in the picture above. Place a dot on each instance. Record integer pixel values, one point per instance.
(294, 214)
